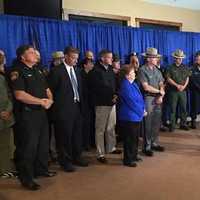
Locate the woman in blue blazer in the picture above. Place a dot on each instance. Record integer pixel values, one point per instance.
(130, 114)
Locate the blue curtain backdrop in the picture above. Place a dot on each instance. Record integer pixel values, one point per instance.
(51, 35)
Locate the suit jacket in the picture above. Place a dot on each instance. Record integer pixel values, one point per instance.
(131, 106)
(63, 95)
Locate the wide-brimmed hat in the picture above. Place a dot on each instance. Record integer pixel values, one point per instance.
(151, 53)
(178, 54)
(57, 54)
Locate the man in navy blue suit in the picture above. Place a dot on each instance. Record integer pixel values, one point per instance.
(65, 83)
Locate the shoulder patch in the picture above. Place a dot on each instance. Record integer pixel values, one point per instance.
(14, 75)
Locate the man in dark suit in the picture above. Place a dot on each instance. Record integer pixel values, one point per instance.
(65, 82)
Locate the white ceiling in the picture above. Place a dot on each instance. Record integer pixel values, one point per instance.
(190, 4)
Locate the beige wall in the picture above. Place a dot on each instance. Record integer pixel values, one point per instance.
(137, 8)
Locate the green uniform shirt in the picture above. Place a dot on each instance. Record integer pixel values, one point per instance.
(179, 74)
(5, 103)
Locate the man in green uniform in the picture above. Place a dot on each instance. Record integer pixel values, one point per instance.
(178, 78)
(6, 121)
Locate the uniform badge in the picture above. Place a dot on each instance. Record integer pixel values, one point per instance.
(14, 75)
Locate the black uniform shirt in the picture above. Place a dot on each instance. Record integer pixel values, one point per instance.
(195, 78)
(30, 80)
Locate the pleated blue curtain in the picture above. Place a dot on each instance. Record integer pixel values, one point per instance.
(14, 31)
(52, 35)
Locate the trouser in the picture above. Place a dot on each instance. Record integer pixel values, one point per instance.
(105, 126)
(152, 122)
(178, 98)
(52, 140)
(6, 149)
(18, 144)
(88, 128)
(195, 99)
(165, 109)
(35, 144)
(131, 132)
(69, 137)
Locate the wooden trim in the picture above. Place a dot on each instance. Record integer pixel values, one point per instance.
(67, 12)
(159, 22)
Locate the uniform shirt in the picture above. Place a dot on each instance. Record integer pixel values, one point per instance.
(152, 76)
(179, 74)
(195, 78)
(30, 80)
(5, 103)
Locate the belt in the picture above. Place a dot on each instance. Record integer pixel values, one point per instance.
(26, 108)
(151, 95)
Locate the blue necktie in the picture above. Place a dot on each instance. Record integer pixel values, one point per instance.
(74, 85)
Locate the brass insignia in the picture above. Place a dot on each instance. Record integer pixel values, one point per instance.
(14, 75)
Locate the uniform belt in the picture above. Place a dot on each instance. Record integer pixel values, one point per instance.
(27, 108)
(150, 95)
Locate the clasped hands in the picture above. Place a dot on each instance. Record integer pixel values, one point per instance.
(46, 103)
(180, 88)
(5, 115)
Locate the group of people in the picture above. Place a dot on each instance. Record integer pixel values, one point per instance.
(86, 103)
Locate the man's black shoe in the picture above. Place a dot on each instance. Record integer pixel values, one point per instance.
(164, 128)
(68, 167)
(102, 160)
(47, 174)
(132, 164)
(184, 127)
(138, 159)
(148, 152)
(31, 185)
(81, 162)
(116, 151)
(158, 148)
(171, 129)
(193, 125)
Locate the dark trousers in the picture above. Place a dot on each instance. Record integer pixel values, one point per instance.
(34, 140)
(130, 131)
(69, 136)
(18, 144)
(195, 99)
(178, 98)
(88, 128)
(165, 109)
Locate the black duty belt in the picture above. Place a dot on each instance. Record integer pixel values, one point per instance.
(27, 108)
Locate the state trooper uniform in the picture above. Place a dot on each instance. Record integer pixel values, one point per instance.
(179, 75)
(153, 119)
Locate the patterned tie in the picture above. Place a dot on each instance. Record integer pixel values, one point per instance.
(74, 85)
